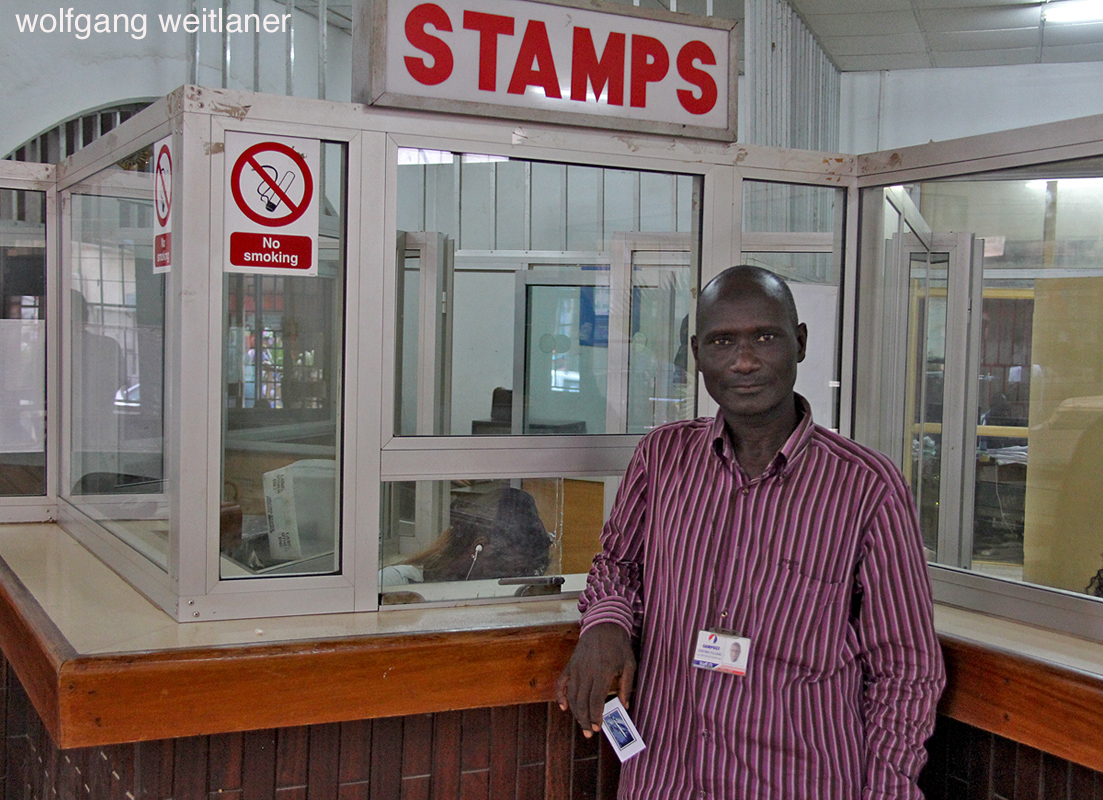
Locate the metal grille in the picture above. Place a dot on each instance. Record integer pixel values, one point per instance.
(792, 86)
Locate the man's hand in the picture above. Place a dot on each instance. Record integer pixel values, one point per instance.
(602, 654)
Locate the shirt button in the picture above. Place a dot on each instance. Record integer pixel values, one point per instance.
(745, 491)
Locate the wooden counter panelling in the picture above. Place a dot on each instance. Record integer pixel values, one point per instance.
(504, 753)
(1057, 711)
(109, 699)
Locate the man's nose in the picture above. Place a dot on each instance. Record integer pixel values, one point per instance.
(744, 359)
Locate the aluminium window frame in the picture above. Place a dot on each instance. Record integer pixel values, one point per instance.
(197, 118)
(1038, 145)
(41, 178)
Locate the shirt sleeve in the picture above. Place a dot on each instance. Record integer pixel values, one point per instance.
(900, 652)
(613, 590)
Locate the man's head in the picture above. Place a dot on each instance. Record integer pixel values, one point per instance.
(748, 342)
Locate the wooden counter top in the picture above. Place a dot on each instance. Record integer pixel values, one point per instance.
(104, 666)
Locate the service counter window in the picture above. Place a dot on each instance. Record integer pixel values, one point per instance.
(282, 370)
(22, 343)
(541, 298)
(796, 231)
(999, 382)
(1038, 413)
(469, 539)
(116, 338)
(534, 299)
(320, 358)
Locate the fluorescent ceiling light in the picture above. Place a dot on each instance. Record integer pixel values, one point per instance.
(1074, 11)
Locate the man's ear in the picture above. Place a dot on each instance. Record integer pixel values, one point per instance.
(802, 341)
(693, 346)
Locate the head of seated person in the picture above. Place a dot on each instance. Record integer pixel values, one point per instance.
(497, 534)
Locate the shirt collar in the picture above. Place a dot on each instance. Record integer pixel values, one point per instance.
(796, 444)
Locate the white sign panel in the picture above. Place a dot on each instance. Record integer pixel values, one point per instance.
(556, 63)
(271, 204)
(162, 205)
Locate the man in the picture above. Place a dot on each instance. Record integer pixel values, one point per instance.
(760, 525)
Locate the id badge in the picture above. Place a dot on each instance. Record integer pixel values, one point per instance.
(722, 652)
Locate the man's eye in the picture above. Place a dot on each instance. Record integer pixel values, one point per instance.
(722, 340)
(767, 337)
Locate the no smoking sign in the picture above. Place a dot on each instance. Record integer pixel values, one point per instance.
(162, 205)
(271, 204)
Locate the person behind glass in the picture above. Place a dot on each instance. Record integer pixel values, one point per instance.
(761, 525)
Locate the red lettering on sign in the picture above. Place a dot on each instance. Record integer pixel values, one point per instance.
(419, 17)
(271, 252)
(697, 51)
(490, 27)
(650, 62)
(535, 49)
(162, 250)
(586, 67)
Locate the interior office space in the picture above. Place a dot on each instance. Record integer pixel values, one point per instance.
(494, 314)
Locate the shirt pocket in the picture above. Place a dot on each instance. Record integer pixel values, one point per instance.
(800, 619)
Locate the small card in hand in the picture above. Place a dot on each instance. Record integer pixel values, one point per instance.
(620, 730)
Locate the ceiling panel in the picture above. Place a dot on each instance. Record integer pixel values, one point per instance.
(961, 4)
(985, 58)
(872, 45)
(1015, 39)
(1061, 35)
(850, 6)
(978, 19)
(862, 35)
(831, 25)
(881, 61)
(1072, 53)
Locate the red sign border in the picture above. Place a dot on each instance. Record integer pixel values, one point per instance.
(235, 177)
(163, 221)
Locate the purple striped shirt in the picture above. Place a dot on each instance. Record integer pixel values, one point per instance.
(819, 562)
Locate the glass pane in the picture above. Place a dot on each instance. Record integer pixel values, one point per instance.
(789, 208)
(540, 259)
(469, 539)
(116, 335)
(659, 361)
(567, 359)
(283, 355)
(22, 343)
(924, 397)
(796, 231)
(1039, 454)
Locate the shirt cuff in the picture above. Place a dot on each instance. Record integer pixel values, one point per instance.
(610, 609)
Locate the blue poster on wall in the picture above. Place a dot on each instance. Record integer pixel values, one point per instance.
(593, 316)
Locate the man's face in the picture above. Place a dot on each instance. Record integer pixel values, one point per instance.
(748, 350)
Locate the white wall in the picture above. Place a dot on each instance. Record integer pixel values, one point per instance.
(882, 110)
(50, 77)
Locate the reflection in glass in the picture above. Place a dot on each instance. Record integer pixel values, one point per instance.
(116, 340)
(282, 356)
(470, 539)
(787, 208)
(567, 359)
(659, 360)
(925, 385)
(796, 231)
(541, 326)
(802, 267)
(22, 343)
(1039, 420)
